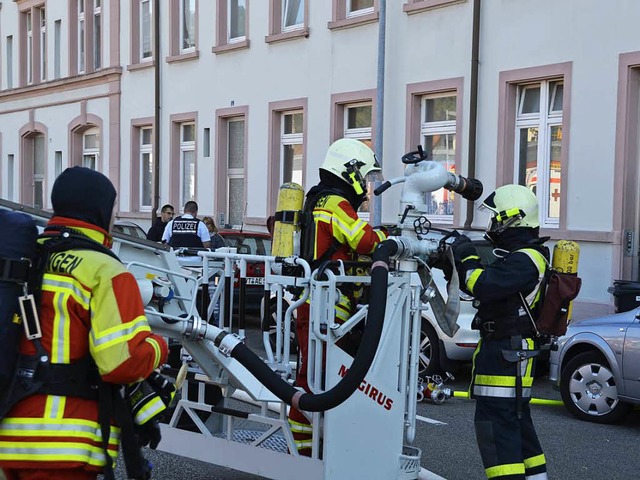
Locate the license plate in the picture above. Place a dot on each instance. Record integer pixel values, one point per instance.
(255, 280)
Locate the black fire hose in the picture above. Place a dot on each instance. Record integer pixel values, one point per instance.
(361, 363)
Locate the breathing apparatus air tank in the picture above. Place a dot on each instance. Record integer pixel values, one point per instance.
(566, 254)
(286, 230)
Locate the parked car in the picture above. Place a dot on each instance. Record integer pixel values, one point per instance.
(438, 351)
(252, 243)
(597, 367)
(129, 228)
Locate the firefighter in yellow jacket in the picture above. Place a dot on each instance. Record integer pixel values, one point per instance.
(336, 233)
(92, 320)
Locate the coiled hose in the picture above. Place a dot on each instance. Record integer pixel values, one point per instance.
(361, 363)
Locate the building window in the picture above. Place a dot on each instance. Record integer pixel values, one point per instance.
(357, 125)
(97, 35)
(438, 139)
(187, 162)
(29, 24)
(292, 15)
(288, 19)
(10, 61)
(81, 37)
(235, 171)
(32, 169)
(292, 147)
(349, 13)
(538, 144)
(43, 44)
(56, 48)
(57, 166)
(90, 148)
(146, 168)
(10, 173)
(359, 7)
(145, 30)
(236, 31)
(187, 26)
(416, 6)
(232, 25)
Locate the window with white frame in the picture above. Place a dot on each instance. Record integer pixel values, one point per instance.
(146, 168)
(187, 25)
(359, 7)
(236, 20)
(38, 170)
(29, 26)
(145, 30)
(438, 138)
(538, 145)
(81, 37)
(292, 15)
(187, 162)
(235, 171)
(90, 148)
(357, 124)
(43, 43)
(97, 35)
(292, 148)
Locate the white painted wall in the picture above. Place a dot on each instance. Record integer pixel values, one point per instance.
(426, 46)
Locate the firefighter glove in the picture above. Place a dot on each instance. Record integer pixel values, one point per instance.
(463, 248)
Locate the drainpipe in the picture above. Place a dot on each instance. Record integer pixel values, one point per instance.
(382, 24)
(473, 104)
(156, 126)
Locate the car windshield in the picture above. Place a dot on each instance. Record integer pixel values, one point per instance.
(249, 245)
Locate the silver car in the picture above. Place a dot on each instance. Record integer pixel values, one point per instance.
(597, 367)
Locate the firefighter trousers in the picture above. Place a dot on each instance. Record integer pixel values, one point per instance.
(506, 436)
(50, 474)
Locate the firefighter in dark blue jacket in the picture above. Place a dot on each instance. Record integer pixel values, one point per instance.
(504, 362)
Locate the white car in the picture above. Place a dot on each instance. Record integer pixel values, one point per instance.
(438, 351)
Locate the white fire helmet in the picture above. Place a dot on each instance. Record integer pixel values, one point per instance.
(353, 162)
(511, 206)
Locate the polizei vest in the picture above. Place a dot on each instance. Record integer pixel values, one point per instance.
(184, 233)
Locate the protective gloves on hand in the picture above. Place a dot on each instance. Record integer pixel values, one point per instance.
(463, 248)
(149, 399)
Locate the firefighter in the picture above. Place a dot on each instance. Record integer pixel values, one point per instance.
(187, 230)
(336, 233)
(95, 337)
(504, 361)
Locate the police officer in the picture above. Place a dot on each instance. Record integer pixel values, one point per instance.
(187, 230)
(504, 360)
(335, 233)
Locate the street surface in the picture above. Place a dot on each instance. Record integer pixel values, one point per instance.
(445, 434)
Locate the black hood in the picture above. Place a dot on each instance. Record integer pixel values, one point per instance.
(84, 194)
(516, 237)
(332, 184)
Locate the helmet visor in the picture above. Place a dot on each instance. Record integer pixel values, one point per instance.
(374, 176)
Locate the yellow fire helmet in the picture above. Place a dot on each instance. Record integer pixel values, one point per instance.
(354, 162)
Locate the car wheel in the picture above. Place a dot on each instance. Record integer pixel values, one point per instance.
(589, 390)
(429, 354)
(273, 316)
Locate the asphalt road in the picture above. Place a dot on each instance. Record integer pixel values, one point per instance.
(445, 435)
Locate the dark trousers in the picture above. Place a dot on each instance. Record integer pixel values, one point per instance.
(507, 439)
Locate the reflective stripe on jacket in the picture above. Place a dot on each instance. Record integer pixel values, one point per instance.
(334, 217)
(90, 305)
